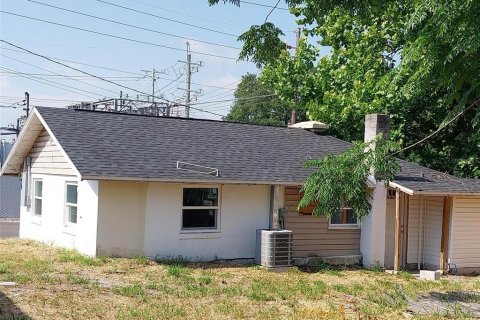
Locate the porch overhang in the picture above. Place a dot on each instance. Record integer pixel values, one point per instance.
(435, 189)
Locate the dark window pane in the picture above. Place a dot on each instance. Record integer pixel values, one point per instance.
(199, 218)
(193, 197)
(38, 188)
(71, 193)
(72, 214)
(38, 207)
(336, 218)
(351, 219)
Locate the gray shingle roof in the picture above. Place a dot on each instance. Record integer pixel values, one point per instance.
(113, 145)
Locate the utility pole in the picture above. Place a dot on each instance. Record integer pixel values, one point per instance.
(190, 67)
(188, 81)
(27, 103)
(297, 44)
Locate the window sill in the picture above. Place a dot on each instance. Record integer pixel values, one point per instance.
(35, 219)
(70, 230)
(344, 227)
(187, 235)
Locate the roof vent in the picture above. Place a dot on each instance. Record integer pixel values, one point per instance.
(314, 126)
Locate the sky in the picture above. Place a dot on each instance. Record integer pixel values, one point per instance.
(107, 50)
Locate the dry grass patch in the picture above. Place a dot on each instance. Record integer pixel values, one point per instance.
(55, 283)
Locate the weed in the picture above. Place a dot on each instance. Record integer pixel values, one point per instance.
(142, 260)
(175, 270)
(205, 280)
(76, 279)
(130, 291)
(79, 259)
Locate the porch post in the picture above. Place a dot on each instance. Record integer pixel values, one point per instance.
(445, 227)
(398, 238)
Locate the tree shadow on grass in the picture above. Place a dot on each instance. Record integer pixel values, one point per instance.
(9, 310)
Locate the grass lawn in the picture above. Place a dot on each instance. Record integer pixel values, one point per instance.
(53, 283)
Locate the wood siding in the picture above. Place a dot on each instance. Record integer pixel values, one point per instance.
(465, 233)
(311, 235)
(47, 157)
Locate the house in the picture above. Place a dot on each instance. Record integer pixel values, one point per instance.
(126, 185)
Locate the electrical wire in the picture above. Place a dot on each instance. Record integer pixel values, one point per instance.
(81, 63)
(263, 5)
(189, 15)
(83, 82)
(56, 85)
(115, 36)
(439, 128)
(167, 19)
(133, 26)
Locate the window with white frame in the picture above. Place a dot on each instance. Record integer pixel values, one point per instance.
(200, 208)
(344, 217)
(37, 196)
(71, 203)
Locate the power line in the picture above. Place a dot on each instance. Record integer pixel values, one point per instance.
(439, 128)
(32, 65)
(80, 63)
(114, 36)
(133, 26)
(275, 7)
(167, 19)
(236, 99)
(56, 85)
(92, 75)
(191, 16)
(263, 5)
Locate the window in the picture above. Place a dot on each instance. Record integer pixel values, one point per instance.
(71, 203)
(344, 218)
(37, 196)
(200, 208)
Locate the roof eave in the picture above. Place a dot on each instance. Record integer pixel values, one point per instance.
(433, 193)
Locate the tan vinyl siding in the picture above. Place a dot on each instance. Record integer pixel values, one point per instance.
(311, 235)
(465, 233)
(47, 157)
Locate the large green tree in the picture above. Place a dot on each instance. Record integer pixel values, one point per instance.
(416, 60)
(257, 103)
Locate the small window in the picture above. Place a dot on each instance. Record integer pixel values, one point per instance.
(200, 208)
(71, 203)
(344, 218)
(37, 196)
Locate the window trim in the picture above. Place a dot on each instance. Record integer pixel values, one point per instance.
(343, 225)
(67, 223)
(35, 197)
(217, 207)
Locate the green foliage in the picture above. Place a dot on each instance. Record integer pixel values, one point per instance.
(342, 178)
(265, 111)
(414, 60)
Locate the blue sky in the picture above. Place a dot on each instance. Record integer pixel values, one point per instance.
(128, 58)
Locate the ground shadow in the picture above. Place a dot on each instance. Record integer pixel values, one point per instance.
(9, 310)
(213, 264)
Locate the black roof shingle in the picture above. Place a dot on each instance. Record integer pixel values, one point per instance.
(106, 145)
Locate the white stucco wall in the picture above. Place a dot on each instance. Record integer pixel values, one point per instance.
(121, 219)
(372, 238)
(243, 209)
(50, 227)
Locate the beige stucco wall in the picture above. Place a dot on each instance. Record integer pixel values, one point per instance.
(243, 209)
(121, 218)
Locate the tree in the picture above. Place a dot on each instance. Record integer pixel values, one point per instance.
(415, 60)
(266, 109)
